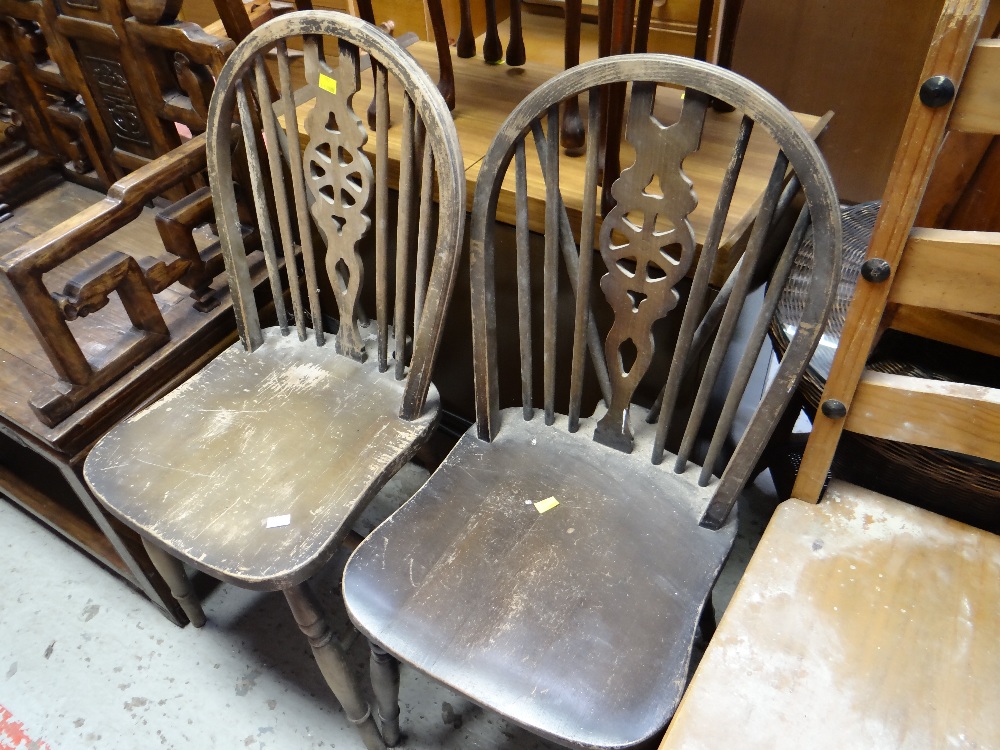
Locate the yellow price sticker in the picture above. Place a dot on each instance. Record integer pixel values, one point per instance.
(547, 504)
(328, 84)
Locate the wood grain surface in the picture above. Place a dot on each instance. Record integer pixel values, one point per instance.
(575, 621)
(861, 622)
(318, 430)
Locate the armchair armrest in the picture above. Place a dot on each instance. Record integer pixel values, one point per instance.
(46, 313)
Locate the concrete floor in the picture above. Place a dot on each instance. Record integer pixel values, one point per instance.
(86, 662)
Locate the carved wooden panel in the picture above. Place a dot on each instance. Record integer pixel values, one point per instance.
(648, 246)
(339, 176)
(115, 98)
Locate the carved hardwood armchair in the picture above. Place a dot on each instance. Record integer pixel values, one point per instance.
(554, 568)
(104, 299)
(254, 470)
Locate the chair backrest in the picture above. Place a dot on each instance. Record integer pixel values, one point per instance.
(648, 247)
(137, 71)
(323, 188)
(941, 284)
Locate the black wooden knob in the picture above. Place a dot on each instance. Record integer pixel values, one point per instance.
(875, 270)
(834, 409)
(937, 91)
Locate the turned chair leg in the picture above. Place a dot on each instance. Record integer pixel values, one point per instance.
(172, 571)
(385, 684)
(706, 623)
(333, 662)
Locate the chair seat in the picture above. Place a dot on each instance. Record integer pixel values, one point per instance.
(469, 571)
(256, 466)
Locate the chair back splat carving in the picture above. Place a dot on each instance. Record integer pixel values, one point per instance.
(556, 566)
(332, 181)
(648, 248)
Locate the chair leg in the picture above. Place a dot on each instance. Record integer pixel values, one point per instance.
(706, 623)
(385, 684)
(333, 662)
(173, 573)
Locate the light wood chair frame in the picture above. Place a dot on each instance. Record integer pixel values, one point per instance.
(930, 282)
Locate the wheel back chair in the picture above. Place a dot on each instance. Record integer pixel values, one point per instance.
(555, 566)
(254, 470)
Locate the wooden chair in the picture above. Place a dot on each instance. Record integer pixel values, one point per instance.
(104, 300)
(861, 622)
(554, 567)
(254, 470)
(941, 284)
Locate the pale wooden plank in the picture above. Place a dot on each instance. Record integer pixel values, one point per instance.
(975, 332)
(937, 414)
(977, 108)
(848, 631)
(949, 270)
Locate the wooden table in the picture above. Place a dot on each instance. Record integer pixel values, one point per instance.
(861, 622)
(486, 94)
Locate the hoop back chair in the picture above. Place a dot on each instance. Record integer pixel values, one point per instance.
(555, 566)
(254, 470)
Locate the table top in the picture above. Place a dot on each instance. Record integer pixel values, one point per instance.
(861, 622)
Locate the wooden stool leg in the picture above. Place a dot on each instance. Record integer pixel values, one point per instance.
(515, 47)
(333, 662)
(173, 573)
(706, 623)
(492, 48)
(446, 77)
(572, 124)
(466, 43)
(385, 683)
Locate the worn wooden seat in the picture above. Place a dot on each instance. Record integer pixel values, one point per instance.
(288, 417)
(254, 469)
(860, 622)
(554, 567)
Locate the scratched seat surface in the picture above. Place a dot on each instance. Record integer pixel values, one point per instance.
(523, 610)
(253, 467)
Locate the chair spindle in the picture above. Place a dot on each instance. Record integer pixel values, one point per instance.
(744, 274)
(551, 269)
(699, 289)
(382, 214)
(259, 191)
(754, 342)
(585, 265)
(425, 234)
(523, 276)
(407, 156)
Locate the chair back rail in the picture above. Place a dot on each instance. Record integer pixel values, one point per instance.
(332, 183)
(648, 248)
(936, 283)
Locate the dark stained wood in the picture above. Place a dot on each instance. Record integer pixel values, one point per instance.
(446, 81)
(551, 619)
(492, 48)
(575, 617)
(515, 47)
(466, 44)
